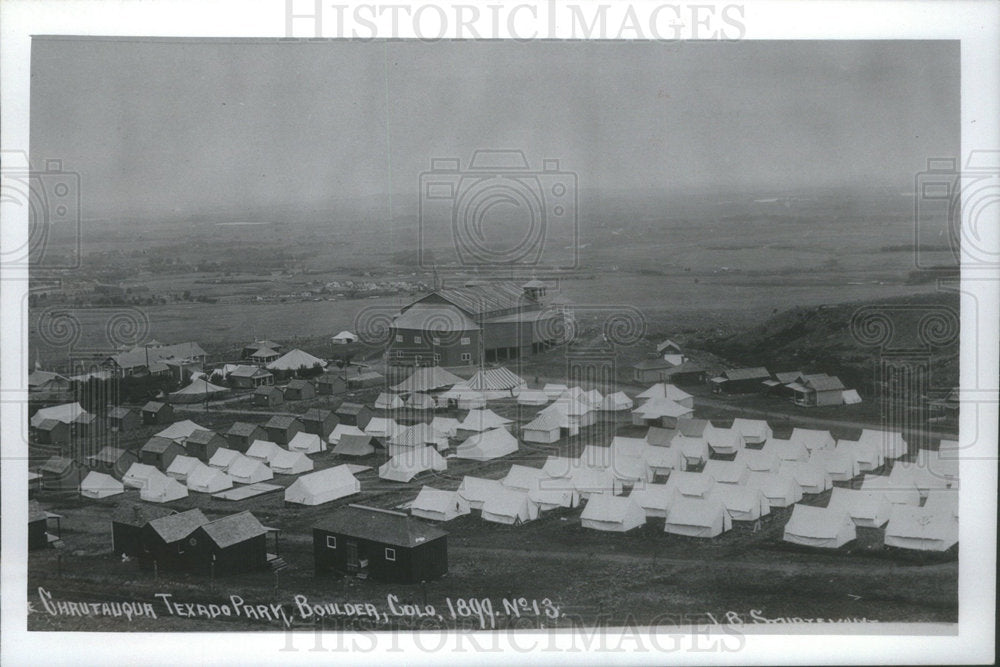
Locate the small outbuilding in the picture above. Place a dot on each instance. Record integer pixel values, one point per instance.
(155, 412)
(282, 428)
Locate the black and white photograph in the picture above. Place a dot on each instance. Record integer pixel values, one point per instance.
(643, 330)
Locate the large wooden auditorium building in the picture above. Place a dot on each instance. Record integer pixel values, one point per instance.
(465, 326)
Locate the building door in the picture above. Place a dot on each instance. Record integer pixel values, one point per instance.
(353, 562)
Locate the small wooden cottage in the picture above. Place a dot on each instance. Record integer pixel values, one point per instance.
(156, 412)
(282, 428)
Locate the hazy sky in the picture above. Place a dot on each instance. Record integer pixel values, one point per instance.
(198, 125)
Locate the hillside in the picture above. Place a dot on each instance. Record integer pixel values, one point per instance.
(820, 339)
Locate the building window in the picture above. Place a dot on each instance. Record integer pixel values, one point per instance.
(331, 542)
(399, 338)
(435, 340)
(390, 554)
(418, 340)
(466, 356)
(465, 340)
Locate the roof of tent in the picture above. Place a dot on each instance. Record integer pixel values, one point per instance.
(294, 360)
(610, 508)
(695, 511)
(435, 500)
(751, 428)
(490, 444)
(482, 419)
(314, 483)
(661, 407)
(663, 390)
(816, 522)
(66, 413)
(388, 401)
(198, 388)
(351, 444)
(919, 523)
(616, 401)
(495, 379)
(427, 379)
(179, 430)
(405, 466)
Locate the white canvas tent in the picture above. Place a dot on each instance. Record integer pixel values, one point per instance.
(438, 504)
(162, 489)
(352, 444)
(522, 477)
(475, 490)
(481, 420)
(616, 402)
(668, 391)
(654, 499)
(489, 445)
(866, 508)
(943, 502)
(223, 458)
(813, 439)
(293, 360)
(589, 482)
(554, 390)
(697, 517)
(780, 490)
(208, 480)
(343, 429)
(691, 484)
(917, 475)
(593, 398)
(420, 401)
(727, 472)
(532, 397)
(658, 409)
(508, 506)
(724, 441)
(548, 493)
(429, 378)
(754, 431)
(890, 443)
(445, 425)
(290, 463)
(98, 485)
(307, 443)
(382, 427)
(543, 429)
(138, 475)
(758, 460)
(694, 450)
(388, 402)
(917, 529)
(179, 431)
(246, 470)
(850, 397)
(418, 435)
(182, 466)
(66, 413)
(617, 514)
(744, 503)
(405, 466)
(819, 527)
(867, 455)
(895, 491)
(787, 450)
(199, 390)
(840, 466)
(263, 450)
(663, 460)
(323, 486)
(943, 462)
(810, 476)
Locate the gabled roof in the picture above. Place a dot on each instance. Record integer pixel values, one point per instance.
(380, 526)
(247, 371)
(494, 379)
(478, 300)
(242, 429)
(153, 406)
(349, 408)
(543, 422)
(299, 384)
(266, 390)
(179, 430)
(754, 373)
(824, 383)
(233, 529)
(158, 445)
(295, 359)
(48, 424)
(659, 436)
(108, 455)
(652, 364)
(67, 412)
(316, 414)
(58, 464)
(175, 527)
(140, 356)
(119, 413)
(434, 318)
(136, 514)
(280, 421)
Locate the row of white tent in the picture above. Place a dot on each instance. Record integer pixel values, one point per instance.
(931, 527)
